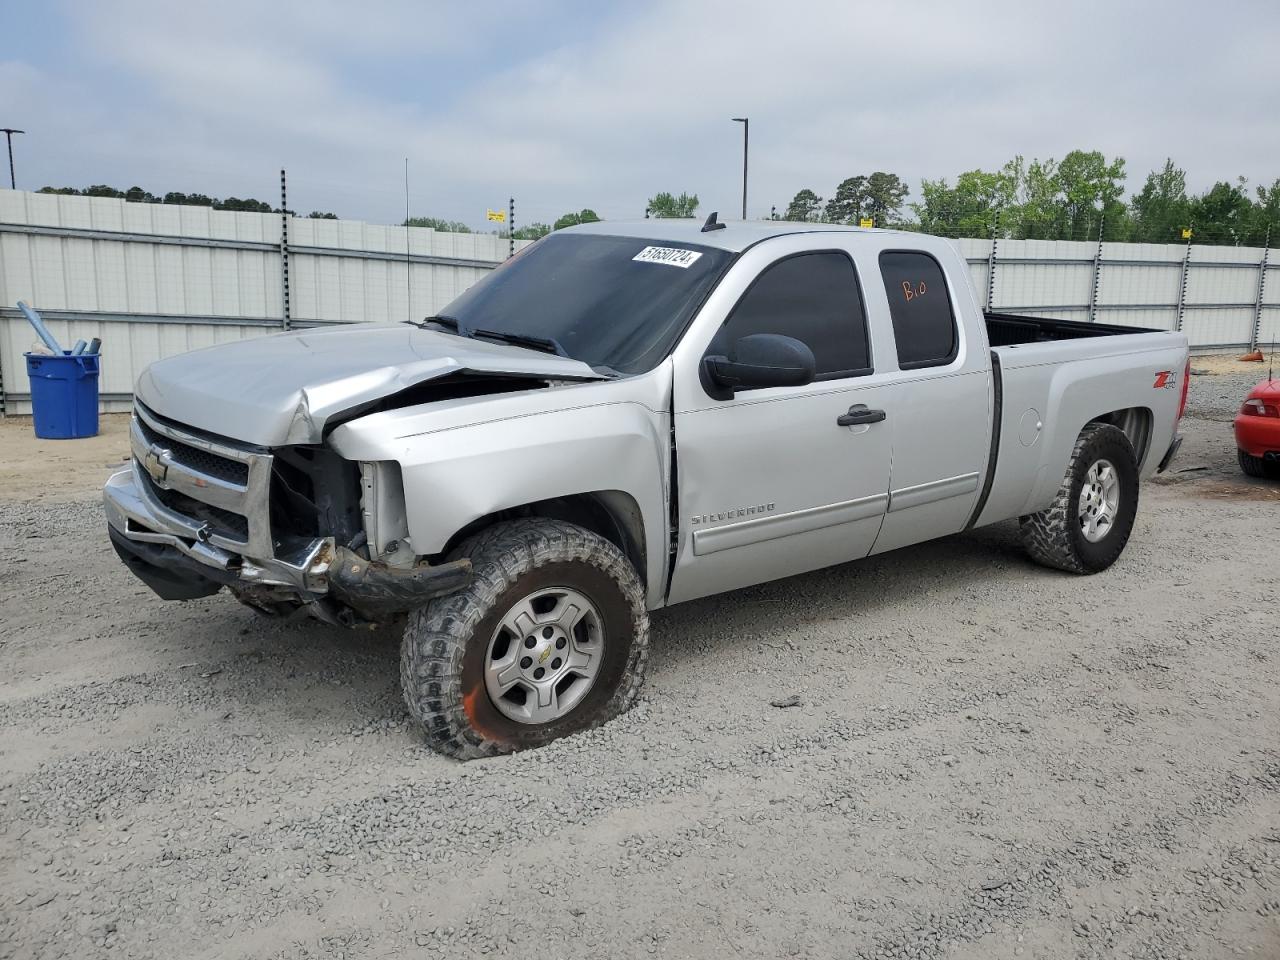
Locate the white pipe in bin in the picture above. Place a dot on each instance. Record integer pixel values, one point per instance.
(33, 318)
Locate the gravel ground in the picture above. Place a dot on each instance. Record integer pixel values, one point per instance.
(987, 760)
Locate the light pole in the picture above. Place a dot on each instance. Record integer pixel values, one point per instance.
(746, 128)
(8, 134)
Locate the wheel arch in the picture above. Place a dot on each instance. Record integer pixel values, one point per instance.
(612, 514)
(1135, 423)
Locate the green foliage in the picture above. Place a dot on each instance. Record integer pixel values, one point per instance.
(1082, 197)
(1161, 210)
(245, 206)
(1088, 188)
(533, 231)
(969, 208)
(1265, 222)
(666, 205)
(804, 207)
(321, 215)
(884, 195)
(435, 223)
(139, 195)
(586, 215)
(877, 196)
(848, 201)
(1222, 215)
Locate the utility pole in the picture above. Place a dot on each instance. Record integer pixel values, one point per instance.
(746, 128)
(8, 134)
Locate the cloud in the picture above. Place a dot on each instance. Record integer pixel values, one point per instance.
(568, 104)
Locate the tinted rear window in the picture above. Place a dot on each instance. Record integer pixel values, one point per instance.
(924, 327)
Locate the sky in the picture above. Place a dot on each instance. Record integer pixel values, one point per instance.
(566, 104)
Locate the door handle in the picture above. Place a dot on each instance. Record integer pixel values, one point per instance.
(859, 413)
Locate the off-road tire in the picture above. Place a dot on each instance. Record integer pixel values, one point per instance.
(446, 642)
(1053, 536)
(1252, 466)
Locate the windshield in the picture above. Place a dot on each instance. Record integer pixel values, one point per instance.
(613, 302)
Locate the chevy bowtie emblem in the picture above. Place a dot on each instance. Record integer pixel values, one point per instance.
(152, 463)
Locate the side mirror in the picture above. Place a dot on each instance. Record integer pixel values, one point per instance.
(760, 360)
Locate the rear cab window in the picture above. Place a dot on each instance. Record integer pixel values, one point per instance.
(814, 298)
(924, 324)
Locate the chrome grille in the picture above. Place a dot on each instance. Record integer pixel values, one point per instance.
(223, 521)
(202, 461)
(217, 488)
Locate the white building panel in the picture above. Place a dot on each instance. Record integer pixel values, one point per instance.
(1218, 327)
(1127, 283)
(135, 291)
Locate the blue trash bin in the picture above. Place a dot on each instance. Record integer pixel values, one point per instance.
(64, 395)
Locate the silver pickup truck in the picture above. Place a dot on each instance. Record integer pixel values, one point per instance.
(622, 417)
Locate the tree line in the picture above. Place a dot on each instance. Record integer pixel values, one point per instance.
(531, 231)
(1080, 197)
(139, 195)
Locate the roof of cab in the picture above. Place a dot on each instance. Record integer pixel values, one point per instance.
(736, 236)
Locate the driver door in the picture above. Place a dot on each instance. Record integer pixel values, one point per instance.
(770, 484)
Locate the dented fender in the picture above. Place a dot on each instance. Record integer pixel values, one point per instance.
(462, 460)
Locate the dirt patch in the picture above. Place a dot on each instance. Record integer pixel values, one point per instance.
(1242, 489)
(38, 470)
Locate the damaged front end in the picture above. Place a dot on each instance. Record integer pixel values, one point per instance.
(284, 529)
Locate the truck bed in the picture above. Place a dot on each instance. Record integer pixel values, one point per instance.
(1012, 329)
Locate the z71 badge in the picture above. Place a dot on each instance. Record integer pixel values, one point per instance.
(1166, 379)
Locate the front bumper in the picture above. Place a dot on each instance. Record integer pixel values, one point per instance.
(172, 554)
(164, 539)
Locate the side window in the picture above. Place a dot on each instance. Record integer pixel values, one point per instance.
(919, 303)
(813, 297)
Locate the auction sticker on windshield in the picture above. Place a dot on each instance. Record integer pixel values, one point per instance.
(671, 256)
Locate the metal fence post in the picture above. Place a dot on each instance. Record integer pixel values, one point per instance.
(991, 261)
(1182, 290)
(1257, 303)
(286, 321)
(3, 411)
(1097, 275)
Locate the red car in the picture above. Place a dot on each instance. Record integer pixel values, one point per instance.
(1258, 430)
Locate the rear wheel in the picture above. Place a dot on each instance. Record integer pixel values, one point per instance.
(1252, 466)
(551, 637)
(1086, 527)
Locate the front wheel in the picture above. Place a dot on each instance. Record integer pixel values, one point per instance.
(550, 637)
(1086, 527)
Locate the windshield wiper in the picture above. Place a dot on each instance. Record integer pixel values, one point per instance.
(440, 320)
(544, 344)
(531, 342)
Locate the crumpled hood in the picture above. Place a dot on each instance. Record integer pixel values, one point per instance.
(283, 389)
